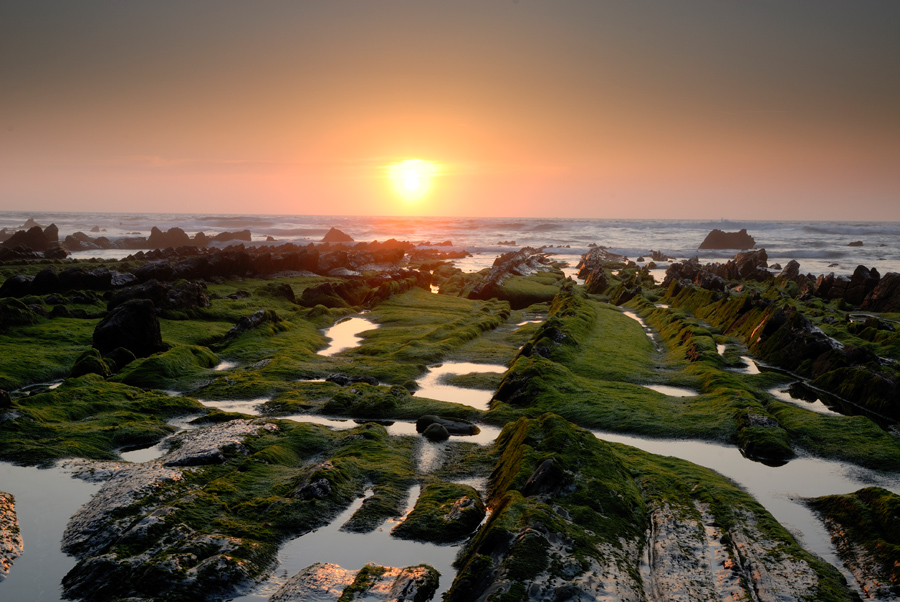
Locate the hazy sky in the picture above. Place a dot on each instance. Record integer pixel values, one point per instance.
(766, 109)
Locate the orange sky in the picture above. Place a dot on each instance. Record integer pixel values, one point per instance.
(694, 109)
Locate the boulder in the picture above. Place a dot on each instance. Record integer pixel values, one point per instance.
(862, 282)
(344, 379)
(173, 237)
(16, 286)
(226, 236)
(33, 238)
(718, 239)
(436, 432)
(335, 235)
(453, 427)
(884, 297)
(855, 243)
(90, 362)
(132, 325)
(5, 400)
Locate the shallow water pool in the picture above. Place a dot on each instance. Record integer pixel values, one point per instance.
(344, 335)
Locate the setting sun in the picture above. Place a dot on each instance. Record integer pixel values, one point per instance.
(412, 178)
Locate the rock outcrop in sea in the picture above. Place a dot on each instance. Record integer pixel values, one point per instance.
(718, 239)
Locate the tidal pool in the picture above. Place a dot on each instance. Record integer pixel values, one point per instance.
(431, 387)
(749, 367)
(780, 489)
(672, 391)
(45, 499)
(720, 349)
(782, 393)
(353, 550)
(224, 366)
(647, 330)
(344, 335)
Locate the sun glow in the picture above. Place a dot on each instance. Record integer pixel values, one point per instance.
(412, 178)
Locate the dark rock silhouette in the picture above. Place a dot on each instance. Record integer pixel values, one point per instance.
(335, 235)
(717, 239)
(132, 325)
(885, 296)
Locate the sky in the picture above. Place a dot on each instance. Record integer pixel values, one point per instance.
(695, 109)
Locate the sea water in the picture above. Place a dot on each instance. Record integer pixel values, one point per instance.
(820, 247)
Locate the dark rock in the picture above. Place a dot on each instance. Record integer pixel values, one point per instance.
(118, 358)
(60, 311)
(591, 269)
(173, 237)
(436, 432)
(791, 271)
(318, 490)
(331, 294)
(152, 290)
(255, 320)
(861, 284)
(90, 362)
(155, 270)
(855, 243)
(453, 427)
(132, 325)
(33, 238)
(547, 478)
(524, 262)
(335, 235)
(884, 297)
(16, 286)
(717, 239)
(46, 281)
(5, 400)
(186, 295)
(344, 379)
(226, 236)
(56, 251)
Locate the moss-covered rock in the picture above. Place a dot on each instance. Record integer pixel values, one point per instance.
(90, 362)
(445, 512)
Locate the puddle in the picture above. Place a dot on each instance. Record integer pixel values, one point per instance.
(817, 406)
(45, 499)
(529, 322)
(343, 335)
(398, 428)
(153, 452)
(750, 366)
(672, 391)
(224, 366)
(353, 550)
(647, 330)
(435, 290)
(245, 406)
(662, 306)
(721, 349)
(431, 387)
(776, 488)
(35, 388)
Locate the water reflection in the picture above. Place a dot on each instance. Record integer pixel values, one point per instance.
(344, 335)
(779, 489)
(816, 405)
(224, 366)
(672, 391)
(431, 387)
(353, 550)
(45, 499)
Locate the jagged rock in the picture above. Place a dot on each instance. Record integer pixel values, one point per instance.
(547, 478)
(11, 546)
(132, 325)
(226, 236)
(255, 320)
(453, 427)
(590, 269)
(524, 262)
(884, 297)
(33, 238)
(209, 445)
(791, 271)
(323, 582)
(319, 490)
(717, 239)
(855, 243)
(335, 235)
(862, 282)
(173, 237)
(344, 379)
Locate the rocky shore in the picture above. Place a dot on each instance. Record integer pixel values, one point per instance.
(564, 515)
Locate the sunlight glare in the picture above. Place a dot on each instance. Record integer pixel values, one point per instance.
(412, 178)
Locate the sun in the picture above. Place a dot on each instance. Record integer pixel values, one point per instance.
(412, 178)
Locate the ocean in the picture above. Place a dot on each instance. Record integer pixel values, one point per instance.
(820, 247)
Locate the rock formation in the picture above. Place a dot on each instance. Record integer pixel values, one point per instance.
(132, 325)
(335, 235)
(717, 239)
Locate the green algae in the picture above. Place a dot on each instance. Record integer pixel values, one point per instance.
(868, 519)
(88, 417)
(175, 367)
(445, 512)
